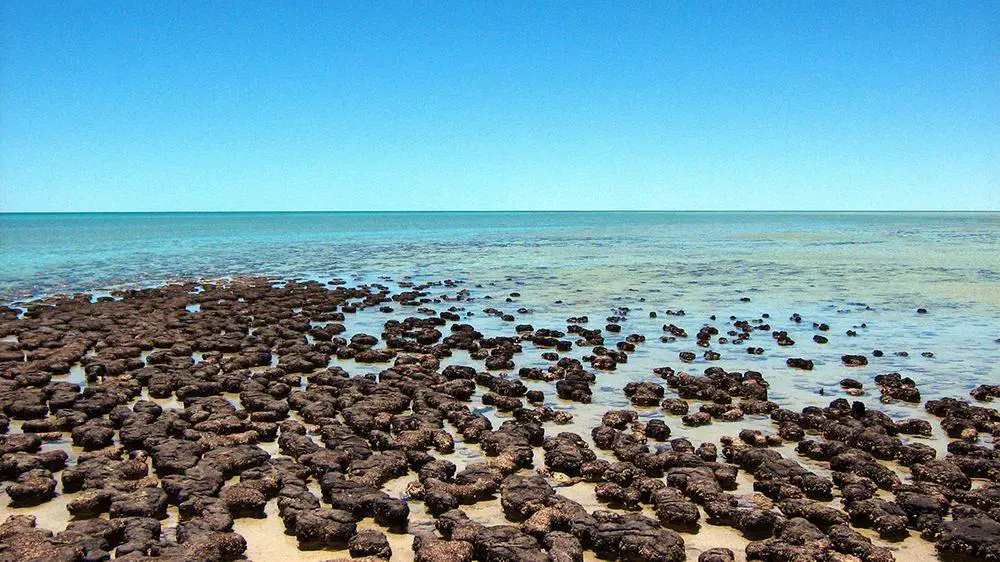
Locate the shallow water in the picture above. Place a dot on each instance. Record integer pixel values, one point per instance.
(881, 258)
(847, 270)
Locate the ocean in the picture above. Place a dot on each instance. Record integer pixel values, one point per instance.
(945, 260)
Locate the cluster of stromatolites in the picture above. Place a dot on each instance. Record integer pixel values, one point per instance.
(342, 438)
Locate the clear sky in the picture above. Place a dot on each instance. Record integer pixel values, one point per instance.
(110, 106)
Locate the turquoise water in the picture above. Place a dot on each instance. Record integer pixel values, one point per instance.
(892, 259)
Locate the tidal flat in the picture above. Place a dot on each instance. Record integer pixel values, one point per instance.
(269, 419)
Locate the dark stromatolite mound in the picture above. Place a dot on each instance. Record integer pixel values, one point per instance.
(985, 392)
(717, 555)
(363, 501)
(822, 516)
(961, 417)
(13, 465)
(522, 496)
(795, 539)
(675, 406)
(512, 444)
(573, 382)
(854, 360)
(644, 393)
(428, 548)
(21, 540)
(777, 477)
(504, 542)
(324, 528)
(977, 537)
(370, 542)
(799, 363)
(477, 482)
(718, 385)
(673, 509)
(942, 472)
(567, 453)
(896, 387)
(657, 429)
(885, 517)
(32, 487)
(629, 537)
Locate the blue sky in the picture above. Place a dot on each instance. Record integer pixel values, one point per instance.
(487, 105)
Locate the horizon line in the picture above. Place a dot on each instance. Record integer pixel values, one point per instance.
(442, 211)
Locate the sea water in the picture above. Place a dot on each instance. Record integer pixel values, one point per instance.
(889, 259)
